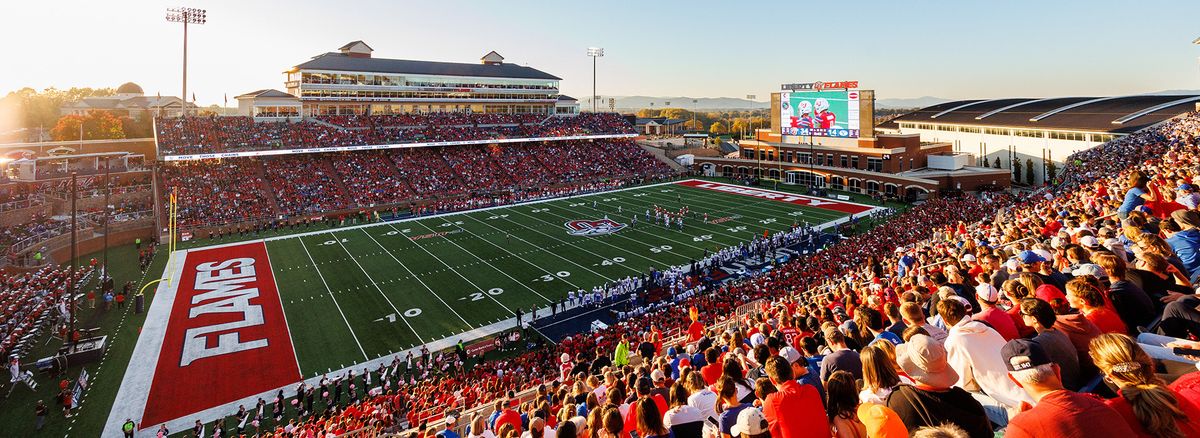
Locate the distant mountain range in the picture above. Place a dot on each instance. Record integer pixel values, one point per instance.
(702, 103)
(633, 103)
(629, 103)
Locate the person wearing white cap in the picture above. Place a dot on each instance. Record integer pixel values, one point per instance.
(992, 315)
(973, 351)
(750, 424)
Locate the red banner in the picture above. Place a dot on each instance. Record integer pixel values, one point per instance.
(226, 338)
(791, 198)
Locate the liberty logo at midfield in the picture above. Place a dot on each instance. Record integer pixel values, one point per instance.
(593, 228)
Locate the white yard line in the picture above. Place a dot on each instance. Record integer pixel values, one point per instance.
(501, 271)
(331, 296)
(279, 294)
(455, 271)
(416, 277)
(380, 289)
(553, 252)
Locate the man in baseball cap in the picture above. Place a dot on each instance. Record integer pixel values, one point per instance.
(800, 370)
(1059, 412)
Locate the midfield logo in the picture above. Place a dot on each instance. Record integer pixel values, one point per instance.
(593, 228)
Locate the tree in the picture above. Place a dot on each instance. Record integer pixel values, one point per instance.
(740, 125)
(996, 163)
(1016, 169)
(697, 125)
(43, 109)
(97, 125)
(716, 128)
(1029, 171)
(1051, 170)
(647, 112)
(675, 113)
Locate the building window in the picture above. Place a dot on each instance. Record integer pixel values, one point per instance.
(968, 129)
(997, 131)
(946, 128)
(925, 126)
(875, 164)
(1029, 133)
(1072, 136)
(1102, 138)
(845, 161)
(854, 161)
(748, 154)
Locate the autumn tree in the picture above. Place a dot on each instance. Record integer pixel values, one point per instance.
(716, 128)
(43, 108)
(97, 125)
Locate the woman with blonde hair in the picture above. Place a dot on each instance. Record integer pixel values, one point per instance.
(1144, 401)
(879, 374)
(479, 428)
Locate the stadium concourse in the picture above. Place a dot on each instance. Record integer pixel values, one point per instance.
(1045, 314)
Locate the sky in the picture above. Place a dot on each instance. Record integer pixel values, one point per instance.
(699, 48)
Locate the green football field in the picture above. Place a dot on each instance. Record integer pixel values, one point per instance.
(353, 295)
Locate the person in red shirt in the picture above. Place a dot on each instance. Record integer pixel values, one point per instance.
(991, 314)
(712, 370)
(1144, 402)
(644, 388)
(795, 411)
(508, 416)
(1059, 412)
(1090, 301)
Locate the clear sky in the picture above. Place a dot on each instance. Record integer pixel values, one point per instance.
(951, 49)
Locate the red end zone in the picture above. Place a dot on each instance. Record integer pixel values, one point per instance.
(226, 338)
(790, 198)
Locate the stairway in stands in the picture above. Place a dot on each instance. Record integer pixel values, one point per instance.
(264, 184)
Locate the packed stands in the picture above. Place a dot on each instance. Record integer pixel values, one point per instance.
(371, 179)
(305, 184)
(216, 192)
(237, 190)
(194, 135)
(940, 313)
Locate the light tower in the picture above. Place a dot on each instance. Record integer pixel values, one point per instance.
(594, 52)
(186, 16)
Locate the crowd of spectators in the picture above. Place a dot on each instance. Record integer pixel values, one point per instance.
(195, 135)
(234, 190)
(305, 184)
(216, 192)
(1049, 314)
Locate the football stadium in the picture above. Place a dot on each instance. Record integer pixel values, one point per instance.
(393, 245)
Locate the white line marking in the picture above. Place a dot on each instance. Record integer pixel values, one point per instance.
(419, 280)
(335, 302)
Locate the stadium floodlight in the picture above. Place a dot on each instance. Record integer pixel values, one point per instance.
(186, 16)
(594, 52)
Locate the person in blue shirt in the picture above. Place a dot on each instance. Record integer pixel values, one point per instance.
(1137, 195)
(1186, 242)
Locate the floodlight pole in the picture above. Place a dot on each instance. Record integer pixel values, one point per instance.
(186, 16)
(594, 52)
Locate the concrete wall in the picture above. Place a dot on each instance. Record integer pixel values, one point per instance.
(993, 146)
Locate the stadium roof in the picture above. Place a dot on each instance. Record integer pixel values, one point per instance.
(343, 62)
(266, 92)
(1118, 114)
